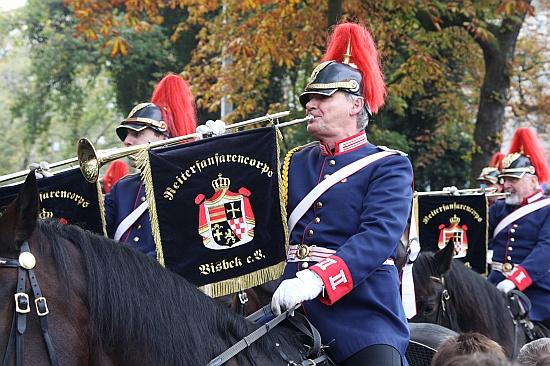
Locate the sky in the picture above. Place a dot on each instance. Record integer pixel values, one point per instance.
(11, 4)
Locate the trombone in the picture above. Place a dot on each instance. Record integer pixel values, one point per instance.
(22, 173)
(489, 192)
(91, 160)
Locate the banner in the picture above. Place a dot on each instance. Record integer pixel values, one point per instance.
(216, 211)
(65, 196)
(464, 218)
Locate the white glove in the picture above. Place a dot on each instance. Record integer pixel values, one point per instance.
(307, 285)
(506, 286)
(217, 127)
(41, 170)
(211, 128)
(452, 190)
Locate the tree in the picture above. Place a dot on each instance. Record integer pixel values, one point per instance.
(495, 29)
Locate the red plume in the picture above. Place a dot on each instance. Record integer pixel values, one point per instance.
(363, 55)
(496, 160)
(116, 170)
(525, 141)
(173, 96)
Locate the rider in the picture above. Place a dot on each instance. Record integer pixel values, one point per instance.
(488, 178)
(519, 226)
(171, 113)
(342, 245)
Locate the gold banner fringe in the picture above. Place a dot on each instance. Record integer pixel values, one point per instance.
(101, 202)
(282, 182)
(243, 282)
(144, 166)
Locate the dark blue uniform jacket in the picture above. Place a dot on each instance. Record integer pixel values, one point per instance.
(125, 196)
(362, 218)
(526, 244)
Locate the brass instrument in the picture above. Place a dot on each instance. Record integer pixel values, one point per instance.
(91, 160)
(71, 162)
(489, 192)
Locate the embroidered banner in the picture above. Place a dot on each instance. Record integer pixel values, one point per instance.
(216, 215)
(67, 197)
(462, 217)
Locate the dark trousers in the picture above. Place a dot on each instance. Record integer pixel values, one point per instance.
(375, 355)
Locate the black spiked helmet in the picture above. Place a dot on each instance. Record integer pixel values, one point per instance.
(489, 174)
(330, 76)
(142, 116)
(516, 165)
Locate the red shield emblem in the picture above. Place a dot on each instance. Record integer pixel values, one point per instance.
(456, 231)
(226, 219)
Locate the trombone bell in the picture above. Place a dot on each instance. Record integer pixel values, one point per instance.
(88, 160)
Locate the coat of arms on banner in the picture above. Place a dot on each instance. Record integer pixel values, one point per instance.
(456, 231)
(226, 219)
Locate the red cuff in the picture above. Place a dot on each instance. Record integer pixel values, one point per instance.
(336, 277)
(520, 278)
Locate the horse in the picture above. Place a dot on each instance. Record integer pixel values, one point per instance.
(104, 303)
(452, 295)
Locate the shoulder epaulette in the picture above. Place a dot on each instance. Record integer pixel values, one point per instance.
(385, 148)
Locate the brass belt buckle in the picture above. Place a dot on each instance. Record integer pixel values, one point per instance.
(507, 267)
(303, 251)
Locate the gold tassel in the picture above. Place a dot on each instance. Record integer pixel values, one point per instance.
(101, 202)
(145, 166)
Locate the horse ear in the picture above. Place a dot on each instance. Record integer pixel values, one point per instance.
(444, 256)
(19, 219)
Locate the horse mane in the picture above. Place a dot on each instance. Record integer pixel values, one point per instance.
(132, 302)
(478, 305)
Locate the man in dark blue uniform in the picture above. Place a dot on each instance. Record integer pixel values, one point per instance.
(519, 226)
(343, 238)
(172, 113)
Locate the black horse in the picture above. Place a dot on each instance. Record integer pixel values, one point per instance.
(450, 294)
(110, 305)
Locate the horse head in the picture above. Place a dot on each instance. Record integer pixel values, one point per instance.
(432, 297)
(450, 294)
(28, 274)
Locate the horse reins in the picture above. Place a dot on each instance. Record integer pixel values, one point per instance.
(25, 264)
(265, 328)
(444, 301)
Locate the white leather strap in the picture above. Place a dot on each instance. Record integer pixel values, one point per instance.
(129, 220)
(519, 213)
(334, 178)
(408, 297)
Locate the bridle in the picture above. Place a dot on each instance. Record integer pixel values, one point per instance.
(315, 356)
(25, 264)
(444, 310)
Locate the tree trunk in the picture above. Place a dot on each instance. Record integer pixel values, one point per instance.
(494, 94)
(334, 12)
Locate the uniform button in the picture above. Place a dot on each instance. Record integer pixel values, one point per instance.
(332, 163)
(142, 199)
(305, 264)
(138, 227)
(510, 249)
(318, 204)
(512, 230)
(509, 258)
(136, 238)
(310, 232)
(317, 220)
(512, 239)
(515, 225)
(326, 176)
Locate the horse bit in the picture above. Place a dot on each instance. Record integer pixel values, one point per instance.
(25, 264)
